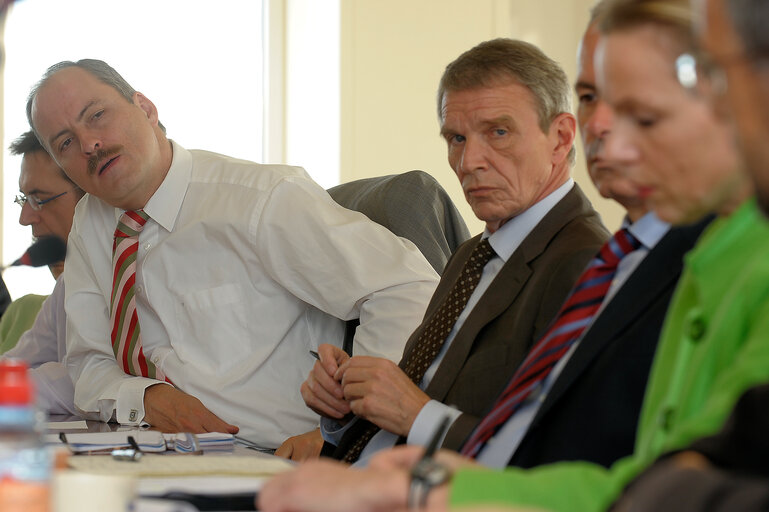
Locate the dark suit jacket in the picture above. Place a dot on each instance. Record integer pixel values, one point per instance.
(591, 412)
(517, 306)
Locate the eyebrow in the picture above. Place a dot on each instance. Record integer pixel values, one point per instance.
(584, 85)
(33, 192)
(506, 120)
(79, 117)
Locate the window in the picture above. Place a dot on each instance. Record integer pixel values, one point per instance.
(202, 64)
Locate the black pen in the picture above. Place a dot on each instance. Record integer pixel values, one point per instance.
(315, 355)
(436, 439)
(428, 473)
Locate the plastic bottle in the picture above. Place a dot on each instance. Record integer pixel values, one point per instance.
(25, 464)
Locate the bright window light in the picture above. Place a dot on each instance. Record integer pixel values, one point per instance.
(200, 62)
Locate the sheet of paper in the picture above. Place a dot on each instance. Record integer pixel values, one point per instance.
(66, 425)
(183, 465)
(156, 486)
(148, 440)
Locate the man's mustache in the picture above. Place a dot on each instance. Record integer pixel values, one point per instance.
(593, 149)
(101, 155)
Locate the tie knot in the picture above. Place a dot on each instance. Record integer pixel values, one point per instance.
(131, 223)
(482, 253)
(619, 246)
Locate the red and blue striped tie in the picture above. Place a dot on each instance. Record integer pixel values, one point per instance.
(575, 315)
(125, 334)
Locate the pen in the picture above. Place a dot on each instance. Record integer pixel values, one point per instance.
(315, 355)
(436, 439)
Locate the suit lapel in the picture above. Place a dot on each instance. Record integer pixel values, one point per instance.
(505, 288)
(659, 270)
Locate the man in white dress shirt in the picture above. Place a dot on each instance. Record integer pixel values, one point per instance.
(48, 199)
(240, 270)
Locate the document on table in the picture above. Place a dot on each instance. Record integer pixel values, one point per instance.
(148, 440)
(66, 425)
(152, 465)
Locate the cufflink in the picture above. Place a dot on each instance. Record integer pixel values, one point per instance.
(133, 415)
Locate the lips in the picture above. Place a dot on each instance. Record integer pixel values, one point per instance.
(645, 191)
(106, 165)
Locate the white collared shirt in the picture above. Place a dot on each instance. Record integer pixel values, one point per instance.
(43, 347)
(241, 269)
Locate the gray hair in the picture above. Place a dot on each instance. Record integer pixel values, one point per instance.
(99, 69)
(502, 60)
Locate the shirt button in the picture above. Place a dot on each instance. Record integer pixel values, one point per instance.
(139, 289)
(697, 329)
(666, 418)
(147, 247)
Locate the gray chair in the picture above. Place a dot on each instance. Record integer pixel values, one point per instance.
(412, 205)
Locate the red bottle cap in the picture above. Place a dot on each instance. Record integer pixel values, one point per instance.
(15, 384)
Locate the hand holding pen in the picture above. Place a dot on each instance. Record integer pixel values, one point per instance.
(321, 391)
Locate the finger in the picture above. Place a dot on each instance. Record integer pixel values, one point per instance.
(356, 391)
(286, 449)
(367, 364)
(331, 357)
(213, 423)
(319, 400)
(326, 380)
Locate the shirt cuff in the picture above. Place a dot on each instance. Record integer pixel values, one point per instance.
(332, 431)
(428, 420)
(129, 409)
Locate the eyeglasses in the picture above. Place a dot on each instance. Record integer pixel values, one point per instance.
(34, 202)
(695, 69)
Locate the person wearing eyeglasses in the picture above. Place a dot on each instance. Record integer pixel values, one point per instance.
(29, 330)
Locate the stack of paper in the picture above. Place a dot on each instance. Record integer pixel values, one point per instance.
(148, 440)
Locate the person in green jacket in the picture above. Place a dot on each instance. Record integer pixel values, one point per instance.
(715, 343)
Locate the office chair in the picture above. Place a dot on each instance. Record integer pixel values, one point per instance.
(412, 205)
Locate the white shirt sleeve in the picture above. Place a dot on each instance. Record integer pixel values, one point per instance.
(428, 420)
(43, 347)
(351, 257)
(332, 431)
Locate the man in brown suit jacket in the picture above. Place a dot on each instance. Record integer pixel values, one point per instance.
(504, 111)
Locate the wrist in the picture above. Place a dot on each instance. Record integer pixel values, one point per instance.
(427, 477)
(389, 490)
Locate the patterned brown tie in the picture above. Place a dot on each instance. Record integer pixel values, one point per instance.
(433, 336)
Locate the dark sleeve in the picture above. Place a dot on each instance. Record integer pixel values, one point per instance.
(5, 297)
(667, 488)
(743, 444)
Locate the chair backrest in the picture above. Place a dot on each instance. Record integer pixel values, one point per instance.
(412, 205)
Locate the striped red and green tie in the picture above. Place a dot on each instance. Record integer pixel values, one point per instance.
(125, 334)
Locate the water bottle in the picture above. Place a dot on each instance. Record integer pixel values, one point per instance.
(25, 464)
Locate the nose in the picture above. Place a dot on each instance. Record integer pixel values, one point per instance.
(473, 156)
(90, 143)
(618, 146)
(600, 123)
(28, 216)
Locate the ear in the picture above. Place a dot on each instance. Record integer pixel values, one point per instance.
(563, 131)
(147, 106)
